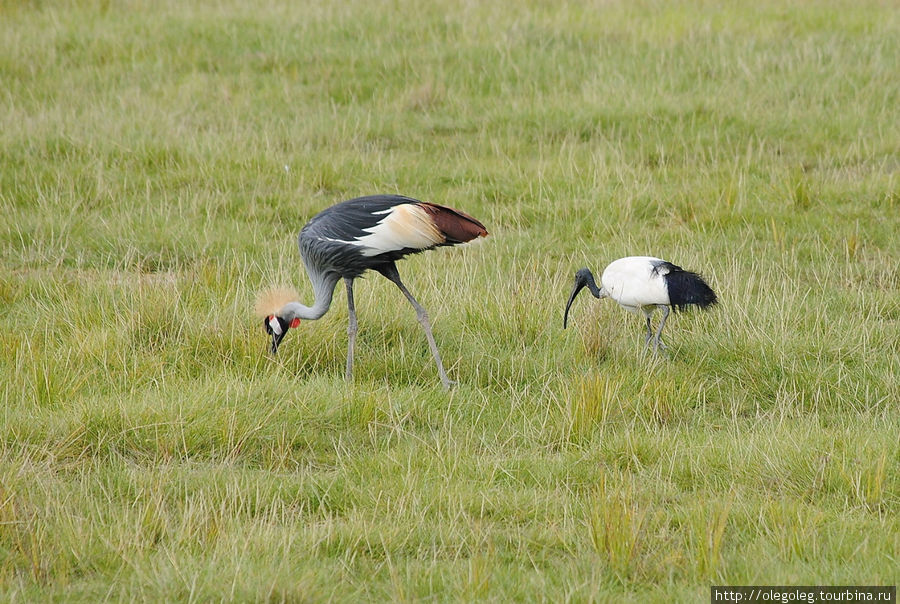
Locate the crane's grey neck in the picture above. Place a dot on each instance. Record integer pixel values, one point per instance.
(323, 288)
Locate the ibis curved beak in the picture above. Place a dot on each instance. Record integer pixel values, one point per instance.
(583, 278)
(579, 285)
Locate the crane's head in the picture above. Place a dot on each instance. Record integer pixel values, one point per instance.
(583, 278)
(270, 306)
(277, 328)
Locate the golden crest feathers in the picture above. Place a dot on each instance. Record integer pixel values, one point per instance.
(271, 300)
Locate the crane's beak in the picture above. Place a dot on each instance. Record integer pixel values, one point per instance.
(579, 285)
(277, 328)
(276, 340)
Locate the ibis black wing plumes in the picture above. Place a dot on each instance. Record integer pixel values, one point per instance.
(583, 278)
(686, 288)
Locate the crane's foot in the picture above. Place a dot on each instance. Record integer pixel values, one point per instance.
(656, 348)
(661, 352)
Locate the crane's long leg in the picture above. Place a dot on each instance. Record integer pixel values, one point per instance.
(658, 343)
(351, 329)
(391, 273)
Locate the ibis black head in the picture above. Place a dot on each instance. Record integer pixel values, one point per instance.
(583, 278)
(277, 327)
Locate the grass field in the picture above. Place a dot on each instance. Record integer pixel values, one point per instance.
(157, 160)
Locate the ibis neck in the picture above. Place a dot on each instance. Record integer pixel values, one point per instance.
(597, 292)
(323, 288)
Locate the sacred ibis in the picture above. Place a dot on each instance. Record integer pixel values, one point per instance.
(645, 283)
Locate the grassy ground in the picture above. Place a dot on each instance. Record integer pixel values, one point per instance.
(158, 158)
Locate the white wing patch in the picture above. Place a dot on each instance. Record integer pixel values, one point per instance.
(404, 226)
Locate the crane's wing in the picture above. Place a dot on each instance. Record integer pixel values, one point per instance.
(392, 224)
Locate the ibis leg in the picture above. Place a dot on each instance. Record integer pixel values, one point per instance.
(351, 329)
(658, 343)
(391, 273)
(649, 331)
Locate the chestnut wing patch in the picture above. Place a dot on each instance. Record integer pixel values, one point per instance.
(456, 226)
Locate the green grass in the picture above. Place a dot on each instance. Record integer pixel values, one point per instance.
(158, 158)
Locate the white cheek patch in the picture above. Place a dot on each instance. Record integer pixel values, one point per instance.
(275, 325)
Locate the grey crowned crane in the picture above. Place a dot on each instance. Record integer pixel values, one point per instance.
(643, 284)
(367, 233)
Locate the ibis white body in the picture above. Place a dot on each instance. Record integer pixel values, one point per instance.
(634, 283)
